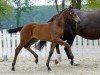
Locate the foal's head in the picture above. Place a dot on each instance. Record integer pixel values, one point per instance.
(69, 14)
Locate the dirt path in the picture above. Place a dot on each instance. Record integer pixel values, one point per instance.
(27, 66)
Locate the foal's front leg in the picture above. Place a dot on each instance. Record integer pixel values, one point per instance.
(50, 54)
(59, 58)
(59, 41)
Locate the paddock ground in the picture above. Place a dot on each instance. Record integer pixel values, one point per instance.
(27, 66)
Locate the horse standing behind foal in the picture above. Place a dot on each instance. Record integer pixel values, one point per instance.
(51, 31)
(88, 28)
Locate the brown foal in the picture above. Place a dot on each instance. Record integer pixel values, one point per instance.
(51, 31)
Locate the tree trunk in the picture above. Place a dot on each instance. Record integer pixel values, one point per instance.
(74, 4)
(79, 4)
(18, 17)
(0, 24)
(63, 4)
(56, 2)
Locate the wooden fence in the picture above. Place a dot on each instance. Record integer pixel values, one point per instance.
(81, 47)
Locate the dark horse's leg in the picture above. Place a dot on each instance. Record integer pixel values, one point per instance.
(50, 54)
(70, 41)
(27, 46)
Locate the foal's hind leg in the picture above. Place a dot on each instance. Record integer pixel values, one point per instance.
(18, 49)
(27, 46)
(50, 54)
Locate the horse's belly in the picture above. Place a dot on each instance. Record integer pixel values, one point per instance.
(90, 33)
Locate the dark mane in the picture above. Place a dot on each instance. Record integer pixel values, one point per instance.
(56, 15)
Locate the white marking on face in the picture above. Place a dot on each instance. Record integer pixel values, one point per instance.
(77, 19)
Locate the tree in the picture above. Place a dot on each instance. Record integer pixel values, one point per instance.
(76, 3)
(79, 4)
(5, 10)
(63, 4)
(57, 7)
(94, 4)
(21, 7)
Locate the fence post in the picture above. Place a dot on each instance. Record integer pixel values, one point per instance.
(1, 44)
(5, 49)
(9, 44)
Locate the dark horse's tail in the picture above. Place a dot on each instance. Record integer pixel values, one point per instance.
(40, 45)
(14, 30)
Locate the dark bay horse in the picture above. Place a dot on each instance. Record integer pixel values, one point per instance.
(51, 31)
(88, 28)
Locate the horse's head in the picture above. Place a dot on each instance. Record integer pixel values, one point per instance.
(71, 15)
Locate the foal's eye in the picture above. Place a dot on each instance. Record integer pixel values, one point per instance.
(71, 13)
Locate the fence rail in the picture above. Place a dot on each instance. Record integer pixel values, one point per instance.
(8, 43)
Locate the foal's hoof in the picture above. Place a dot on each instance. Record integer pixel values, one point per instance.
(13, 69)
(49, 69)
(36, 61)
(75, 64)
(56, 62)
(71, 62)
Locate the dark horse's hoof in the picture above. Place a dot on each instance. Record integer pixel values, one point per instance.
(13, 69)
(56, 62)
(74, 64)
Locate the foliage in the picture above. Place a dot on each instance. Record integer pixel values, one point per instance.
(39, 14)
(91, 5)
(5, 10)
(21, 7)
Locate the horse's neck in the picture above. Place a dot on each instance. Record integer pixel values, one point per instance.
(60, 20)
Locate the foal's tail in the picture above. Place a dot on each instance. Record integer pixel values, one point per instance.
(14, 30)
(40, 45)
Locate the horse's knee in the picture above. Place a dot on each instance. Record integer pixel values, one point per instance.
(50, 53)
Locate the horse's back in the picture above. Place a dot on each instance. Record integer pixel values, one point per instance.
(89, 27)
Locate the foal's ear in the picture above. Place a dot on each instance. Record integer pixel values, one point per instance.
(70, 7)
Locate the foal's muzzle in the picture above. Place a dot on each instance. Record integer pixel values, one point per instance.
(78, 22)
